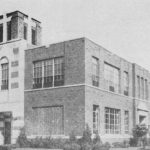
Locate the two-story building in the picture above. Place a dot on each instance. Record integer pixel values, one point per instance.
(77, 82)
(56, 89)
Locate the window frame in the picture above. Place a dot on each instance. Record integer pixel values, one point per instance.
(96, 119)
(112, 120)
(112, 78)
(126, 122)
(5, 76)
(95, 71)
(44, 68)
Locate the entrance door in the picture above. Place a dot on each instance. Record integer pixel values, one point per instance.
(7, 132)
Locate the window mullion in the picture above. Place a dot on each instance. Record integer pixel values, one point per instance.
(42, 74)
(53, 65)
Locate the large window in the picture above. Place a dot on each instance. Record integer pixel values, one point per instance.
(48, 120)
(96, 118)
(1, 32)
(126, 121)
(112, 121)
(9, 30)
(4, 80)
(126, 83)
(111, 76)
(95, 71)
(48, 73)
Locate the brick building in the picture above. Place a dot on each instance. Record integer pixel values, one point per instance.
(56, 89)
(77, 82)
(17, 32)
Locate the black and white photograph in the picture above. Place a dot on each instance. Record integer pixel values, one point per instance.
(74, 74)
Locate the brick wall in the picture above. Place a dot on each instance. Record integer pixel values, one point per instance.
(73, 54)
(71, 98)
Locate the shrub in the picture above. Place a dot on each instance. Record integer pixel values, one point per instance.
(72, 137)
(139, 135)
(86, 146)
(107, 145)
(118, 145)
(87, 135)
(22, 140)
(97, 139)
(71, 146)
(133, 142)
(5, 147)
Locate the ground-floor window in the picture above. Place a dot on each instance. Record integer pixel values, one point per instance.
(112, 121)
(126, 121)
(48, 120)
(96, 117)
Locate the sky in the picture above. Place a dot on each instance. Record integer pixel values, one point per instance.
(120, 26)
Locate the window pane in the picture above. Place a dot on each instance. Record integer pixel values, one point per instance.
(33, 31)
(112, 121)
(58, 71)
(9, 30)
(96, 119)
(111, 76)
(48, 73)
(37, 78)
(95, 71)
(126, 122)
(4, 81)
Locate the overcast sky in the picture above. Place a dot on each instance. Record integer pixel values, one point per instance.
(121, 26)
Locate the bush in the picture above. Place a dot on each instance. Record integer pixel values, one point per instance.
(72, 137)
(139, 135)
(107, 145)
(86, 146)
(22, 140)
(71, 146)
(97, 139)
(118, 145)
(87, 135)
(5, 147)
(48, 142)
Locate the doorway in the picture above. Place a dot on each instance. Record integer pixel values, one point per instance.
(5, 126)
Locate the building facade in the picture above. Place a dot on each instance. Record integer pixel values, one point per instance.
(17, 33)
(56, 89)
(77, 82)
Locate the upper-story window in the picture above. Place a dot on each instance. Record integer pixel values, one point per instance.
(37, 69)
(146, 89)
(111, 76)
(142, 88)
(138, 86)
(8, 30)
(1, 32)
(25, 28)
(33, 32)
(4, 74)
(95, 71)
(48, 73)
(126, 83)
